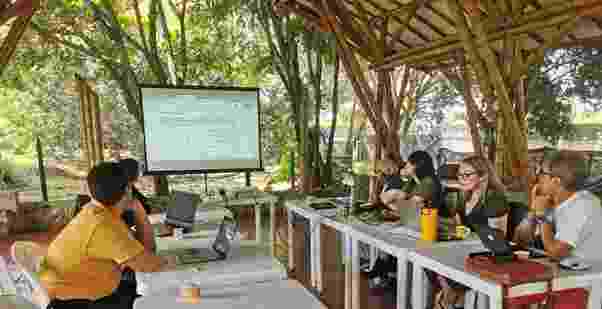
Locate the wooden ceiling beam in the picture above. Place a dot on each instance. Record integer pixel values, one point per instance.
(593, 42)
(432, 26)
(392, 36)
(524, 25)
(534, 3)
(536, 37)
(441, 15)
(347, 21)
(404, 21)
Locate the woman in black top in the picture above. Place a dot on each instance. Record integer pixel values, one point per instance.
(132, 170)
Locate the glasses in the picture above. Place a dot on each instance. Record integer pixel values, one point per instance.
(466, 174)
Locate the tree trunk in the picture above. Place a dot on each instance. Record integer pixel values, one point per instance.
(328, 169)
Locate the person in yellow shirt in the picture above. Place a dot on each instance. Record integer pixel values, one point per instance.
(83, 265)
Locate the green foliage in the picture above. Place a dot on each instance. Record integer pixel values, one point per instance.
(282, 173)
(588, 76)
(8, 176)
(34, 104)
(549, 112)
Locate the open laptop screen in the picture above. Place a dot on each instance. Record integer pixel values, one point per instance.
(183, 209)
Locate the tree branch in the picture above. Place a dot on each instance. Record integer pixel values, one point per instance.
(141, 31)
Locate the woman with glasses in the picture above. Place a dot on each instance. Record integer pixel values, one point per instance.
(482, 197)
(482, 201)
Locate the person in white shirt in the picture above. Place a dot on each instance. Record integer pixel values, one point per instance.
(570, 220)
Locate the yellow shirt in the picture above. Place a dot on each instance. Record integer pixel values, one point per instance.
(83, 261)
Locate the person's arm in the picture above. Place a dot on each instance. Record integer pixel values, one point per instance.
(111, 240)
(555, 248)
(140, 197)
(525, 231)
(144, 230)
(568, 226)
(147, 262)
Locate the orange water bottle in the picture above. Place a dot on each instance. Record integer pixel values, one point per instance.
(428, 223)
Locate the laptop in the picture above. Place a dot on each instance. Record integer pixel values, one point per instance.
(501, 247)
(490, 239)
(183, 210)
(219, 250)
(181, 213)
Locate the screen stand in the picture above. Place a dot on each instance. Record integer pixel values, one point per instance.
(248, 179)
(206, 189)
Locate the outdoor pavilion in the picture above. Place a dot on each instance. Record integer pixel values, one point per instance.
(489, 44)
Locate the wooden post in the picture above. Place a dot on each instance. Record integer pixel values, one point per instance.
(83, 142)
(90, 125)
(511, 142)
(97, 125)
(43, 184)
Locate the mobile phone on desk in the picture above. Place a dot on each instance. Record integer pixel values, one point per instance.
(480, 253)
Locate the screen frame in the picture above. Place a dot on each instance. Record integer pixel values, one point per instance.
(148, 172)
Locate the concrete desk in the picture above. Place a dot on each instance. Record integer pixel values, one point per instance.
(270, 295)
(300, 208)
(398, 241)
(261, 199)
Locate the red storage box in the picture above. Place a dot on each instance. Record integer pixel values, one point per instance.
(570, 299)
(565, 299)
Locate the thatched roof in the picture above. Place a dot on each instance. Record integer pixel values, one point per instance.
(427, 32)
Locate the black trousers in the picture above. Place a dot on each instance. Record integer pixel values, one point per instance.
(123, 297)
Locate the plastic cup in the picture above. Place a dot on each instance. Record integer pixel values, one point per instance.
(428, 224)
(462, 231)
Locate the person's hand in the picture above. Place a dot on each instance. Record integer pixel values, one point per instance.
(389, 214)
(541, 203)
(171, 261)
(393, 207)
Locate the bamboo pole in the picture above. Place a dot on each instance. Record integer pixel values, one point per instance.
(354, 72)
(9, 45)
(84, 156)
(88, 127)
(471, 47)
(497, 77)
(98, 126)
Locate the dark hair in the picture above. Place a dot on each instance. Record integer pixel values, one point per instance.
(107, 182)
(131, 168)
(570, 167)
(424, 164)
(425, 168)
